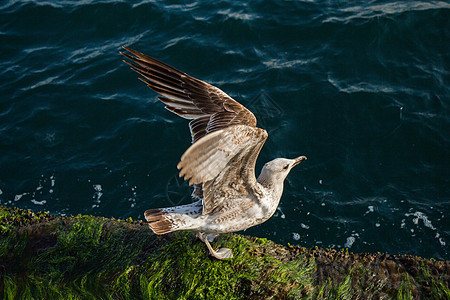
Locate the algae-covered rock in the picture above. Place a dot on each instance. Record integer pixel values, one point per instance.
(48, 257)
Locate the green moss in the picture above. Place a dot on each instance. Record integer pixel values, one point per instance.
(83, 257)
(405, 291)
(344, 290)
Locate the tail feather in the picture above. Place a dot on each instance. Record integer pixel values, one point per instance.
(158, 221)
(165, 220)
(162, 227)
(152, 215)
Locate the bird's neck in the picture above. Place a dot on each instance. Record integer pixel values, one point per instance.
(273, 192)
(271, 185)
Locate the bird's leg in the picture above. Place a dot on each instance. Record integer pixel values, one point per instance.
(209, 236)
(219, 254)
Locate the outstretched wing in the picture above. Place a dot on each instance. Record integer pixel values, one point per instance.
(208, 107)
(224, 161)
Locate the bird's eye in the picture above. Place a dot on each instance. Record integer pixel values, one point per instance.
(286, 167)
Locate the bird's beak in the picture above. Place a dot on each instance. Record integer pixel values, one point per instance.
(299, 160)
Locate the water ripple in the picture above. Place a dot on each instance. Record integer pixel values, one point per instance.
(359, 87)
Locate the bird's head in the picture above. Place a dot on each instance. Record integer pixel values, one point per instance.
(276, 171)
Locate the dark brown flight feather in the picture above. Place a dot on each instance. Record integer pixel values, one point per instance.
(208, 107)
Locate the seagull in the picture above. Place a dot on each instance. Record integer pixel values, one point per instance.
(220, 163)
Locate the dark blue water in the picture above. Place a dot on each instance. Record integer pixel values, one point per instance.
(360, 87)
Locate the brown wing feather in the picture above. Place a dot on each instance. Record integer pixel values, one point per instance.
(208, 107)
(224, 161)
(237, 179)
(189, 97)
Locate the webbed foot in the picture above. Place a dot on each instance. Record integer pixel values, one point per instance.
(223, 253)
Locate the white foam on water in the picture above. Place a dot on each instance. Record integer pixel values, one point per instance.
(418, 215)
(97, 195)
(296, 236)
(304, 226)
(34, 201)
(349, 242)
(370, 209)
(18, 197)
(97, 187)
(403, 223)
(283, 216)
(421, 216)
(133, 199)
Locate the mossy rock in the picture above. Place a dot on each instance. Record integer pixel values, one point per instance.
(84, 257)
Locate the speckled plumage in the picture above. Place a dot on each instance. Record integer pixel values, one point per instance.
(221, 161)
